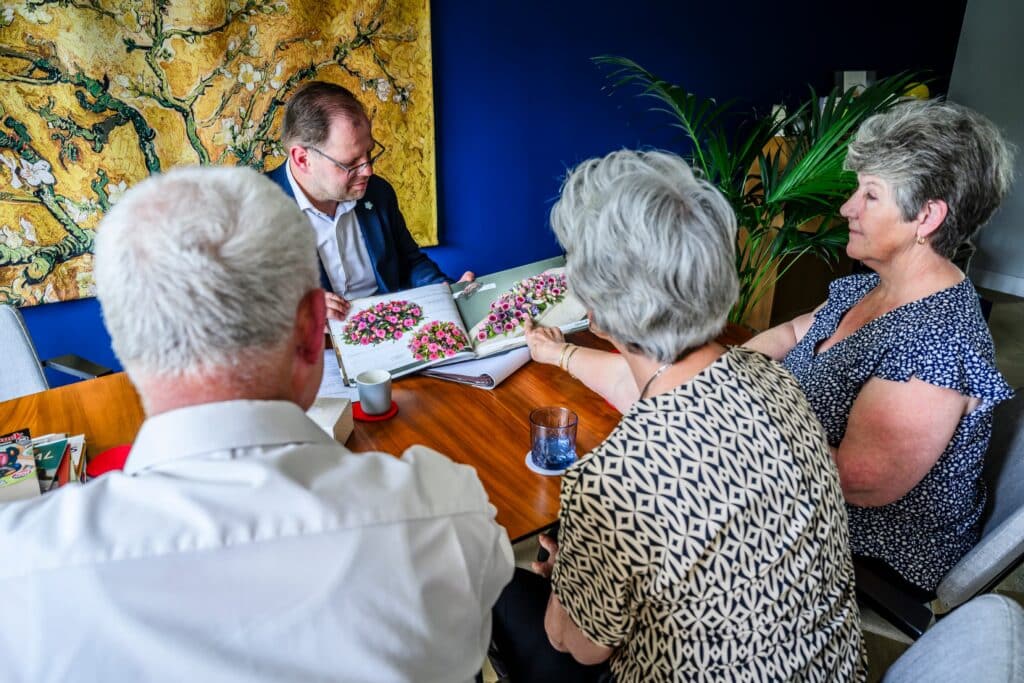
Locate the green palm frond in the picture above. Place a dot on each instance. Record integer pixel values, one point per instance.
(775, 189)
(695, 115)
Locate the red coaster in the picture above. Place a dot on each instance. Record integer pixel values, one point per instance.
(358, 414)
(110, 459)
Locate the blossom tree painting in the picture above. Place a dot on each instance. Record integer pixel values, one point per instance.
(97, 94)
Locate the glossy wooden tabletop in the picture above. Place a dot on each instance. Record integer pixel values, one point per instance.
(107, 410)
(488, 430)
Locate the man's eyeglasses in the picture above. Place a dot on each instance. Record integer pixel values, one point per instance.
(375, 153)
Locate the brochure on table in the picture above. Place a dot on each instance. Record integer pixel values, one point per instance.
(408, 331)
(18, 476)
(30, 466)
(483, 373)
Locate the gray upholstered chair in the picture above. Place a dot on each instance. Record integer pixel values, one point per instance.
(1001, 548)
(23, 373)
(982, 640)
(1002, 537)
(22, 369)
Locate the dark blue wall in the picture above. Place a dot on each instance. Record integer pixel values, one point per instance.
(518, 101)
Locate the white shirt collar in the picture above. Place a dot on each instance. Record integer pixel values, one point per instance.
(220, 426)
(303, 201)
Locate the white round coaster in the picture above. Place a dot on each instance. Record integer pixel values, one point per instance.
(540, 470)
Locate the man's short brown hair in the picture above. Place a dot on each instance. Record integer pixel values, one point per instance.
(308, 114)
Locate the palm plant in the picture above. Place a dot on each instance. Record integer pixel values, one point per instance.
(779, 187)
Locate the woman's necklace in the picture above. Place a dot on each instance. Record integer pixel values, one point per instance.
(663, 368)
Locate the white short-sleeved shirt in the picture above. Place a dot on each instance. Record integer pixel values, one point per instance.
(340, 244)
(241, 543)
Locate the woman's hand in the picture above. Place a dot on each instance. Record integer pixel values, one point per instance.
(545, 343)
(544, 568)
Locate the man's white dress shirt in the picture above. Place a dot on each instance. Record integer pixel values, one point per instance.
(241, 543)
(340, 244)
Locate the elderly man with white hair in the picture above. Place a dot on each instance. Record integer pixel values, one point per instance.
(241, 543)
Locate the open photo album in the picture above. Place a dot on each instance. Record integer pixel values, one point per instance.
(405, 332)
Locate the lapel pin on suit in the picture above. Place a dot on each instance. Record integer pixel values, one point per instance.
(368, 206)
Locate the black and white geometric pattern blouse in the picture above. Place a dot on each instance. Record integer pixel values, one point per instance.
(706, 538)
(941, 339)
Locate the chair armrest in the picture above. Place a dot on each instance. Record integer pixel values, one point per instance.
(986, 565)
(77, 366)
(892, 604)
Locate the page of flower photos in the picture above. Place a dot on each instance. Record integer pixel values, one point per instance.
(495, 306)
(400, 332)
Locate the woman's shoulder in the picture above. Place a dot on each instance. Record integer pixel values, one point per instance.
(944, 340)
(843, 294)
(750, 365)
(721, 382)
(732, 376)
(852, 286)
(950, 317)
(740, 384)
(769, 384)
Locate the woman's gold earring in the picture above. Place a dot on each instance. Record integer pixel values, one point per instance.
(920, 240)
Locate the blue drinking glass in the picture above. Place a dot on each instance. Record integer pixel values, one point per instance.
(553, 437)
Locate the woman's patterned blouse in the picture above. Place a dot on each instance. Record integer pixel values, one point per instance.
(941, 339)
(706, 538)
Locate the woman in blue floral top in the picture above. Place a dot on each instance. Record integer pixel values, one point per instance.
(898, 364)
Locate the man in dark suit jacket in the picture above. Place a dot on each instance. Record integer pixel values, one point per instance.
(363, 242)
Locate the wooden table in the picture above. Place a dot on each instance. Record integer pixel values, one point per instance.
(488, 430)
(106, 409)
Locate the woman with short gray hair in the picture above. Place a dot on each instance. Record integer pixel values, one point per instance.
(666, 290)
(898, 364)
(687, 536)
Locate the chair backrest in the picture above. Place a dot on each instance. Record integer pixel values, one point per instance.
(982, 640)
(22, 374)
(1001, 547)
(963, 255)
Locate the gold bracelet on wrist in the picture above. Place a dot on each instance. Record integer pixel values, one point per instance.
(561, 358)
(568, 357)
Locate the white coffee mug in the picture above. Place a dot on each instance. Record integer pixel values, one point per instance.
(374, 387)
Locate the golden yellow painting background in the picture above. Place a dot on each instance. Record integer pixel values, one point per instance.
(98, 94)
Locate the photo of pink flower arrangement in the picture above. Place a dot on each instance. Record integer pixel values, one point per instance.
(526, 299)
(382, 322)
(437, 340)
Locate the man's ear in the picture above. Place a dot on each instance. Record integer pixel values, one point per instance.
(310, 321)
(931, 216)
(299, 157)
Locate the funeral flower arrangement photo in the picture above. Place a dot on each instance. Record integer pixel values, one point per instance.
(437, 340)
(382, 322)
(528, 298)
